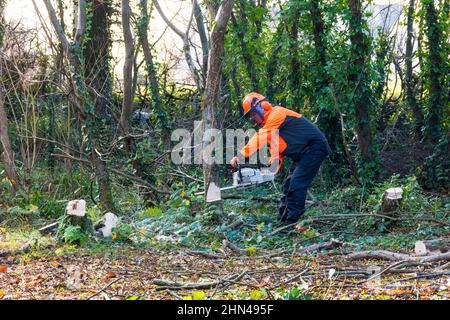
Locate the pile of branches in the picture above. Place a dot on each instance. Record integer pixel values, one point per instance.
(402, 267)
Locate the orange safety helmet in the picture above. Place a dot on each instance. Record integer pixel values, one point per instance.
(255, 107)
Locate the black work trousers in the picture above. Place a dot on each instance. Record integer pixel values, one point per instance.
(302, 173)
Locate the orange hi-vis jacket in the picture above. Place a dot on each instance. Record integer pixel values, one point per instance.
(287, 133)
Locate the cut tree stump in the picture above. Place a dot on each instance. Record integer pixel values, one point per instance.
(391, 200)
(76, 214)
(106, 224)
(76, 208)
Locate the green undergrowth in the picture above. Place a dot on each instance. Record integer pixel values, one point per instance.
(187, 222)
(350, 214)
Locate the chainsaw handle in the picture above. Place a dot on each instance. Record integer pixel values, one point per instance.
(239, 171)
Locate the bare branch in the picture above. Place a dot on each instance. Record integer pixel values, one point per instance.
(56, 25)
(186, 46)
(167, 21)
(128, 91)
(202, 34)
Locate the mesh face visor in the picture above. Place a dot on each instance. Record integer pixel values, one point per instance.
(256, 113)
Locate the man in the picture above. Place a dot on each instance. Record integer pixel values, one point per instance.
(291, 135)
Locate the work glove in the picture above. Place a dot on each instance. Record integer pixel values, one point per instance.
(234, 162)
(275, 164)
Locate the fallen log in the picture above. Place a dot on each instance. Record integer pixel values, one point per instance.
(424, 247)
(333, 243)
(395, 256)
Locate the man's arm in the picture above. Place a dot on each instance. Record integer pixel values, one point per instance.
(267, 134)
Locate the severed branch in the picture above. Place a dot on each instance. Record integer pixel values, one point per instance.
(233, 247)
(23, 249)
(276, 231)
(234, 224)
(392, 266)
(424, 247)
(169, 285)
(49, 228)
(104, 288)
(264, 199)
(358, 215)
(333, 243)
(205, 254)
(289, 280)
(395, 256)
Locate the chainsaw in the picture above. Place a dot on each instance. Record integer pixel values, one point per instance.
(243, 177)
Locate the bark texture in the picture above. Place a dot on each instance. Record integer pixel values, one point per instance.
(80, 97)
(212, 88)
(6, 149)
(360, 53)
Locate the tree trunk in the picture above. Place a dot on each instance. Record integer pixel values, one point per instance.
(56, 97)
(7, 151)
(436, 93)
(409, 81)
(294, 63)
(242, 30)
(103, 181)
(154, 83)
(128, 94)
(328, 119)
(97, 55)
(212, 90)
(320, 45)
(203, 37)
(273, 62)
(360, 55)
(80, 97)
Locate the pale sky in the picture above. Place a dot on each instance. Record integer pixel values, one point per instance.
(23, 11)
(177, 11)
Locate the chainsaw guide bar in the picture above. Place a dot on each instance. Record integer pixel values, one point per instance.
(242, 178)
